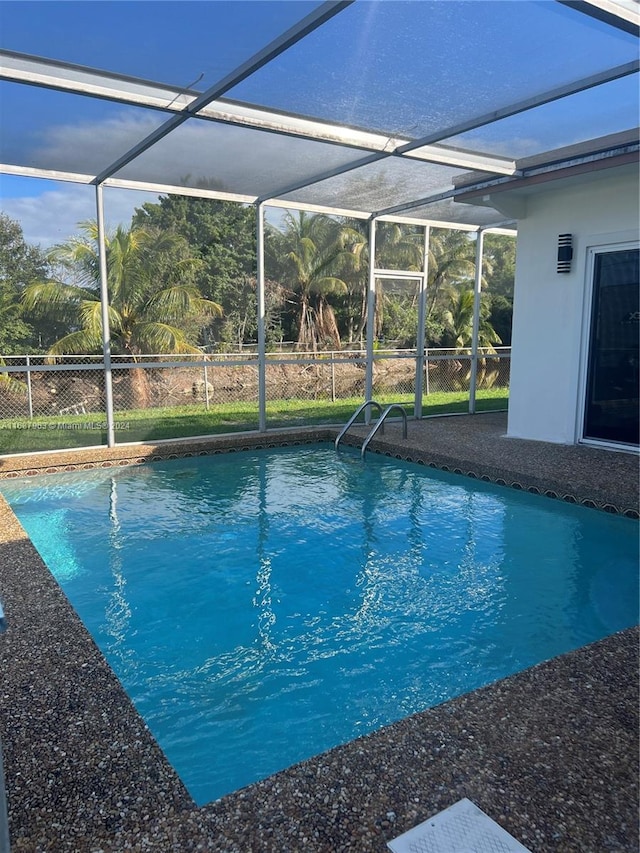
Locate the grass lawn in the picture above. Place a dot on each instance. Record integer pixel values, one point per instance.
(72, 431)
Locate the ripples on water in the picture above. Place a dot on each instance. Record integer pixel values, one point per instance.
(262, 607)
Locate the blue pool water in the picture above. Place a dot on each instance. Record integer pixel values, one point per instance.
(261, 607)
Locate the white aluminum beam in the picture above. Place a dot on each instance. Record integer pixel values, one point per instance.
(262, 349)
(172, 189)
(406, 274)
(47, 174)
(419, 202)
(623, 14)
(104, 315)
(422, 323)
(83, 81)
(435, 223)
(477, 293)
(371, 310)
(539, 169)
(318, 208)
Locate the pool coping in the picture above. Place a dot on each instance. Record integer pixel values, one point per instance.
(502, 467)
(550, 753)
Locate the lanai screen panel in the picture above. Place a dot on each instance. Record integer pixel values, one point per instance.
(378, 185)
(610, 108)
(418, 68)
(407, 68)
(234, 159)
(46, 129)
(147, 39)
(454, 213)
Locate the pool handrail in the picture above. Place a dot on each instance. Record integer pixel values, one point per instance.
(380, 425)
(351, 420)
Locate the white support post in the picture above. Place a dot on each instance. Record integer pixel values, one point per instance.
(29, 389)
(371, 320)
(262, 352)
(476, 322)
(206, 386)
(104, 314)
(333, 377)
(422, 318)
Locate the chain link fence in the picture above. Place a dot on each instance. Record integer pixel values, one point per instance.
(38, 385)
(50, 403)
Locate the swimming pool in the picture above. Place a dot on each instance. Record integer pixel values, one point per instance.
(260, 607)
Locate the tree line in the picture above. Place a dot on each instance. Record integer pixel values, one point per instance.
(182, 277)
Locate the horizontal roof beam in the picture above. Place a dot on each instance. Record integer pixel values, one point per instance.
(55, 75)
(80, 80)
(553, 165)
(45, 174)
(622, 14)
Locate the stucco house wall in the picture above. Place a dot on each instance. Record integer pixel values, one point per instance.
(551, 310)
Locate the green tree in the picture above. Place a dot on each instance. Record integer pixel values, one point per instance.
(222, 236)
(458, 322)
(313, 251)
(20, 264)
(451, 265)
(500, 254)
(398, 246)
(154, 305)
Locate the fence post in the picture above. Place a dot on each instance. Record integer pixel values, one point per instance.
(426, 371)
(333, 379)
(206, 387)
(29, 394)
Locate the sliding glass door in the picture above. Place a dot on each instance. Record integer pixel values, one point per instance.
(611, 401)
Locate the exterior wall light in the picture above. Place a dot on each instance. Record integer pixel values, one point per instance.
(565, 252)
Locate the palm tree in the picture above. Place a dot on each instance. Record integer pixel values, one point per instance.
(451, 261)
(458, 322)
(398, 246)
(152, 295)
(314, 247)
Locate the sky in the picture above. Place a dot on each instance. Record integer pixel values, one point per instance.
(49, 211)
(402, 67)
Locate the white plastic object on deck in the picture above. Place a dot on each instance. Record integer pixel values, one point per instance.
(462, 828)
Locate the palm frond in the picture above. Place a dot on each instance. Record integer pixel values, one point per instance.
(82, 341)
(328, 284)
(91, 317)
(42, 295)
(160, 337)
(180, 301)
(8, 383)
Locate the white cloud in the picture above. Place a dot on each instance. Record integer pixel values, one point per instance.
(86, 146)
(53, 216)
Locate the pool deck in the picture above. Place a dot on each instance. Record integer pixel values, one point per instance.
(551, 753)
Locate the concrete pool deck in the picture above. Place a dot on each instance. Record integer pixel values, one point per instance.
(551, 753)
